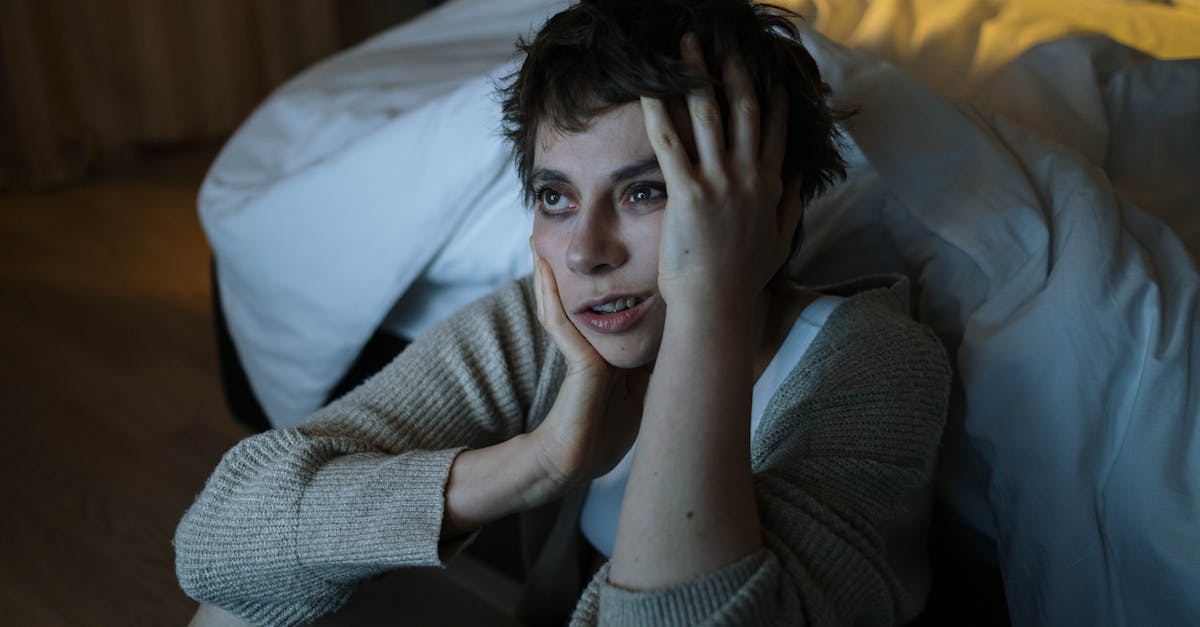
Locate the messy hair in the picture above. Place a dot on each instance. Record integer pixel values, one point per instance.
(598, 54)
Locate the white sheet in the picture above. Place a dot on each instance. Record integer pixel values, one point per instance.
(1074, 455)
(1075, 452)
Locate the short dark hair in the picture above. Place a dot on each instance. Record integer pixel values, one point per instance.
(598, 54)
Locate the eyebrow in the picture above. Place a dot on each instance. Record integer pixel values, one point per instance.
(638, 168)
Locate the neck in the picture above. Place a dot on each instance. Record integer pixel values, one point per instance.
(775, 312)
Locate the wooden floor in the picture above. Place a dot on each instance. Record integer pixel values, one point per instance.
(111, 404)
(113, 413)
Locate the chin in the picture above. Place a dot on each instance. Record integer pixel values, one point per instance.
(628, 362)
(621, 355)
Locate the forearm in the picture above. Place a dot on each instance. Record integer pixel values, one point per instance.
(689, 506)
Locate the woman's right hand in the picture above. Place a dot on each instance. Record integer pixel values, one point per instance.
(596, 415)
(590, 427)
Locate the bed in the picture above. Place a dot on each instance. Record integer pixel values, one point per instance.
(1033, 166)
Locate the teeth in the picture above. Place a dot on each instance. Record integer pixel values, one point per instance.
(616, 305)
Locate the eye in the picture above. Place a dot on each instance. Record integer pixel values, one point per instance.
(551, 201)
(645, 193)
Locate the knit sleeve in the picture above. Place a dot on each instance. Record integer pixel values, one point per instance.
(290, 520)
(844, 455)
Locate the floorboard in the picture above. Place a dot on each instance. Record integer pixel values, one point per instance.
(114, 416)
(109, 393)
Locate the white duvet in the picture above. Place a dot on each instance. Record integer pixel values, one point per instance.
(1074, 455)
(1020, 198)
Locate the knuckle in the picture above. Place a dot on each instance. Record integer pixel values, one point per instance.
(707, 114)
(747, 105)
(665, 139)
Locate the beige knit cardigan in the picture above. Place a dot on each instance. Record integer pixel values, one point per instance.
(291, 520)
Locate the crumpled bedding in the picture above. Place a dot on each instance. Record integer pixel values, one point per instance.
(1034, 185)
(1073, 456)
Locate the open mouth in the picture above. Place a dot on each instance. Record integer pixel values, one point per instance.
(617, 305)
(614, 315)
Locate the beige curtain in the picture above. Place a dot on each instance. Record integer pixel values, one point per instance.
(90, 81)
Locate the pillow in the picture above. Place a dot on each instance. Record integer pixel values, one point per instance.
(346, 184)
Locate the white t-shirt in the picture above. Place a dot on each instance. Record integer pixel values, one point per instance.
(602, 506)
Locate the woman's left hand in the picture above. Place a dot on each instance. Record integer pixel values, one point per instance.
(729, 217)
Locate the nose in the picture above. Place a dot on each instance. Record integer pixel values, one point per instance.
(596, 245)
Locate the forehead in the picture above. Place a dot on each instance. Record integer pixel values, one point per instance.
(612, 138)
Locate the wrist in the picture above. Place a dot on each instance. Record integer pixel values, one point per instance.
(700, 316)
(556, 473)
(571, 447)
(549, 478)
(489, 483)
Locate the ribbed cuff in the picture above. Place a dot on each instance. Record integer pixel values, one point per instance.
(369, 513)
(724, 596)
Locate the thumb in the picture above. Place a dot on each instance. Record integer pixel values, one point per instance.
(575, 348)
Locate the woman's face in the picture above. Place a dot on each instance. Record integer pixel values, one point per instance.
(597, 219)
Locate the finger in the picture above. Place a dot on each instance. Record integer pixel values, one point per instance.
(537, 283)
(744, 111)
(707, 127)
(555, 320)
(668, 147)
(774, 145)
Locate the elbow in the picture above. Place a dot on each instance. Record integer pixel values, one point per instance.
(196, 565)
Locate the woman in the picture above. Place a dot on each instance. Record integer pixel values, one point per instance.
(785, 439)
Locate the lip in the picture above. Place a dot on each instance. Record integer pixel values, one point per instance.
(616, 322)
